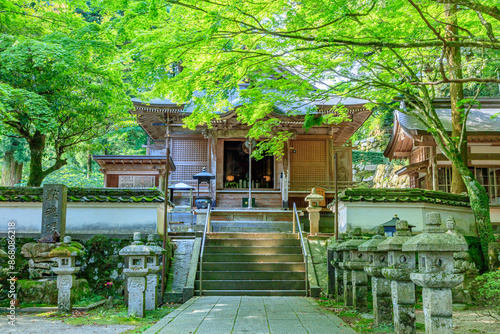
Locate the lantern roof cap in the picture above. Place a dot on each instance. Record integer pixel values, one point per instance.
(353, 243)
(434, 239)
(372, 244)
(67, 248)
(136, 248)
(396, 242)
(336, 243)
(204, 175)
(154, 247)
(314, 197)
(181, 186)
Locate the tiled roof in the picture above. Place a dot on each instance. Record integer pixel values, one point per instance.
(34, 194)
(402, 195)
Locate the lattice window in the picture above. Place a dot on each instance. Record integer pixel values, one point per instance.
(309, 161)
(190, 156)
(135, 181)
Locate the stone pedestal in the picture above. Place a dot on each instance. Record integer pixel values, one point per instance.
(382, 301)
(335, 275)
(436, 272)
(153, 263)
(354, 262)
(136, 273)
(381, 286)
(400, 266)
(360, 290)
(65, 254)
(314, 219)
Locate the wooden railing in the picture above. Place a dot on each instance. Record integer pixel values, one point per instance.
(296, 222)
(205, 231)
(327, 185)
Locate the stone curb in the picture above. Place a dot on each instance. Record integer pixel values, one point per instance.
(54, 308)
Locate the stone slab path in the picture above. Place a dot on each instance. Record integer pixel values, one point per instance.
(255, 315)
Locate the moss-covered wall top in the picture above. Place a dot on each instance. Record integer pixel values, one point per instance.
(402, 195)
(35, 194)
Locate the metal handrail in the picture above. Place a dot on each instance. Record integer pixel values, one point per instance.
(205, 231)
(303, 244)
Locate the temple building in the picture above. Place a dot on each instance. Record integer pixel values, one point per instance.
(308, 159)
(429, 169)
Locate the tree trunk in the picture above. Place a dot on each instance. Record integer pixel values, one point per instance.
(89, 165)
(480, 205)
(11, 170)
(37, 146)
(454, 61)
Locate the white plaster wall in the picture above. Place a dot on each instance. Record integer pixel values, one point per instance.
(84, 218)
(368, 215)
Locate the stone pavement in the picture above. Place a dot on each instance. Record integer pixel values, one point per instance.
(255, 315)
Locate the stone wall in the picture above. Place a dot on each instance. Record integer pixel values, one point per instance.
(386, 177)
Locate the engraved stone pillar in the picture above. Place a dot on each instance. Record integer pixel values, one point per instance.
(136, 274)
(381, 286)
(153, 263)
(436, 272)
(400, 265)
(65, 271)
(54, 210)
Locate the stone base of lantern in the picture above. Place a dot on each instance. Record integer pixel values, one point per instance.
(338, 292)
(382, 301)
(136, 287)
(437, 310)
(347, 287)
(360, 290)
(151, 293)
(403, 301)
(64, 286)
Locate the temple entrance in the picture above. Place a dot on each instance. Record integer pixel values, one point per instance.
(236, 167)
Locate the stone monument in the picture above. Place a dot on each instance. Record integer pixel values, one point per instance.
(314, 210)
(65, 255)
(54, 210)
(400, 266)
(153, 263)
(357, 261)
(346, 273)
(381, 286)
(136, 274)
(435, 250)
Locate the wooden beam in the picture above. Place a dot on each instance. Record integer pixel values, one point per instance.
(424, 143)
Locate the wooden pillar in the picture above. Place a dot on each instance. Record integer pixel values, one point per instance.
(330, 156)
(213, 166)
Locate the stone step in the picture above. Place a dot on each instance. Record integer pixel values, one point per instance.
(251, 275)
(252, 226)
(253, 266)
(236, 235)
(252, 285)
(252, 293)
(263, 258)
(252, 242)
(210, 249)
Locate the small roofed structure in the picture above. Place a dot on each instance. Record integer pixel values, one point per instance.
(390, 226)
(133, 171)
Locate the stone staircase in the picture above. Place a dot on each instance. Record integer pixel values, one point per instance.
(252, 264)
(252, 226)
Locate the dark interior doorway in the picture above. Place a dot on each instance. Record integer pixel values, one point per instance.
(236, 168)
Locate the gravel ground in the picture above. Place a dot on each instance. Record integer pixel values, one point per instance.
(470, 321)
(29, 324)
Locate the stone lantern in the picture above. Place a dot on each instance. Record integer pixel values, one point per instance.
(381, 286)
(335, 275)
(136, 273)
(314, 209)
(355, 279)
(400, 266)
(153, 263)
(435, 250)
(202, 202)
(65, 255)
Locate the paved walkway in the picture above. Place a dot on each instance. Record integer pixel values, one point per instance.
(255, 315)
